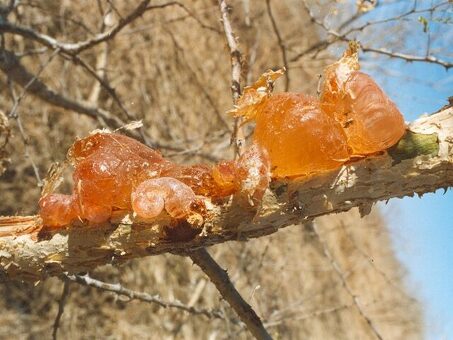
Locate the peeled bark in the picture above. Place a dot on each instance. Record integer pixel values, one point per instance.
(421, 162)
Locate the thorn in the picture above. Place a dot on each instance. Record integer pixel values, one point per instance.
(365, 209)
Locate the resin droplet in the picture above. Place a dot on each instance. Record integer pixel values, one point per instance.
(298, 136)
(153, 195)
(371, 121)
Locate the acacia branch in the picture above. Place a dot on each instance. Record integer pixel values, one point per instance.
(15, 71)
(281, 44)
(10, 65)
(61, 305)
(118, 289)
(336, 36)
(221, 280)
(336, 267)
(422, 162)
(237, 138)
(75, 48)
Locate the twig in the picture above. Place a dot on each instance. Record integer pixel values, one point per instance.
(75, 48)
(281, 44)
(22, 95)
(344, 282)
(322, 44)
(398, 17)
(237, 138)
(409, 58)
(6, 9)
(101, 64)
(188, 11)
(15, 71)
(61, 305)
(145, 297)
(219, 277)
(11, 66)
(15, 115)
(194, 76)
(111, 91)
(384, 275)
(315, 314)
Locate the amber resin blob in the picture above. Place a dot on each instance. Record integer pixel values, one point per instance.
(115, 172)
(304, 135)
(299, 137)
(371, 121)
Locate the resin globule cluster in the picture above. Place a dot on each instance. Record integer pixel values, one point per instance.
(304, 135)
(295, 135)
(115, 172)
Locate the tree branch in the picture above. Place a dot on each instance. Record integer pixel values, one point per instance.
(75, 48)
(221, 280)
(61, 305)
(421, 162)
(10, 65)
(336, 36)
(118, 289)
(237, 138)
(336, 267)
(280, 41)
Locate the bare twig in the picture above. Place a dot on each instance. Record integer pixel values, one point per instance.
(395, 18)
(281, 44)
(344, 282)
(344, 37)
(145, 297)
(188, 11)
(384, 275)
(61, 305)
(15, 115)
(200, 85)
(75, 48)
(317, 313)
(219, 277)
(237, 138)
(101, 63)
(12, 67)
(409, 58)
(322, 44)
(22, 95)
(6, 9)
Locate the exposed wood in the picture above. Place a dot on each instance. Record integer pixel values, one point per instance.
(418, 164)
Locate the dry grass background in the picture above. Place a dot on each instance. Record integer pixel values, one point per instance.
(171, 68)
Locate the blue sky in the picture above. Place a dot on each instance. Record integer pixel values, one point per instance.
(421, 228)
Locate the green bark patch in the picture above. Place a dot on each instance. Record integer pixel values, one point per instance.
(414, 144)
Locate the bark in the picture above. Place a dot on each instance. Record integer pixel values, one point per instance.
(421, 162)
